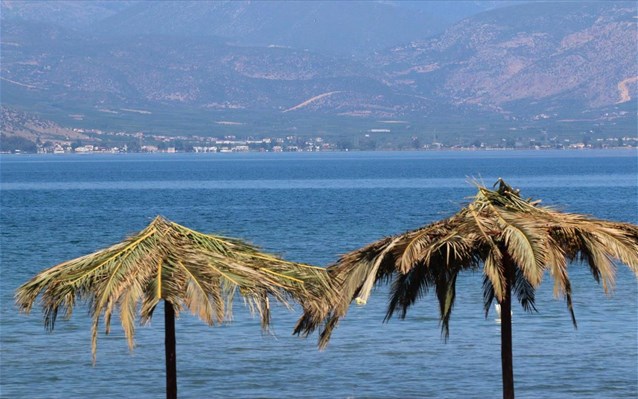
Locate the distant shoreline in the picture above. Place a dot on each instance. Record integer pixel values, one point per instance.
(395, 151)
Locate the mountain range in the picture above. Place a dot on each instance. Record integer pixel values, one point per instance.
(276, 66)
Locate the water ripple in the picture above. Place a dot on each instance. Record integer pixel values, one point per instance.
(549, 181)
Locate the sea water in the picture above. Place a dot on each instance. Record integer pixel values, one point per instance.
(311, 207)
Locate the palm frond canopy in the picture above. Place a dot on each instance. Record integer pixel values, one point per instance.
(514, 240)
(167, 261)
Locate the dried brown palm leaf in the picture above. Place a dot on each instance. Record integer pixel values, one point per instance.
(515, 240)
(185, 269)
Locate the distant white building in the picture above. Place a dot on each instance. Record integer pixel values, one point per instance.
(85, 148)
(150, 148)
(205, 149)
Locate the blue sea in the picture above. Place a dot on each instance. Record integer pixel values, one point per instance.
(311, 207)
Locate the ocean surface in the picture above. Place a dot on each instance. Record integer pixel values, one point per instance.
(311, 207)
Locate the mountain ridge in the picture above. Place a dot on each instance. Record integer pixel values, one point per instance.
(523, 62)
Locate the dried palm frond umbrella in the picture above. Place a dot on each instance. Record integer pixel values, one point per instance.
(514, 240)
(186, 269)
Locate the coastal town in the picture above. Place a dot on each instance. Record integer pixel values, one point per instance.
(96, 141)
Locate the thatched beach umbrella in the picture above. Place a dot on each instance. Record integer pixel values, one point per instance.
(182, 267)
(514, 241)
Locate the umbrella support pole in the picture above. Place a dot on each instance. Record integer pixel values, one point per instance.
(506, 344)
(169, 344)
